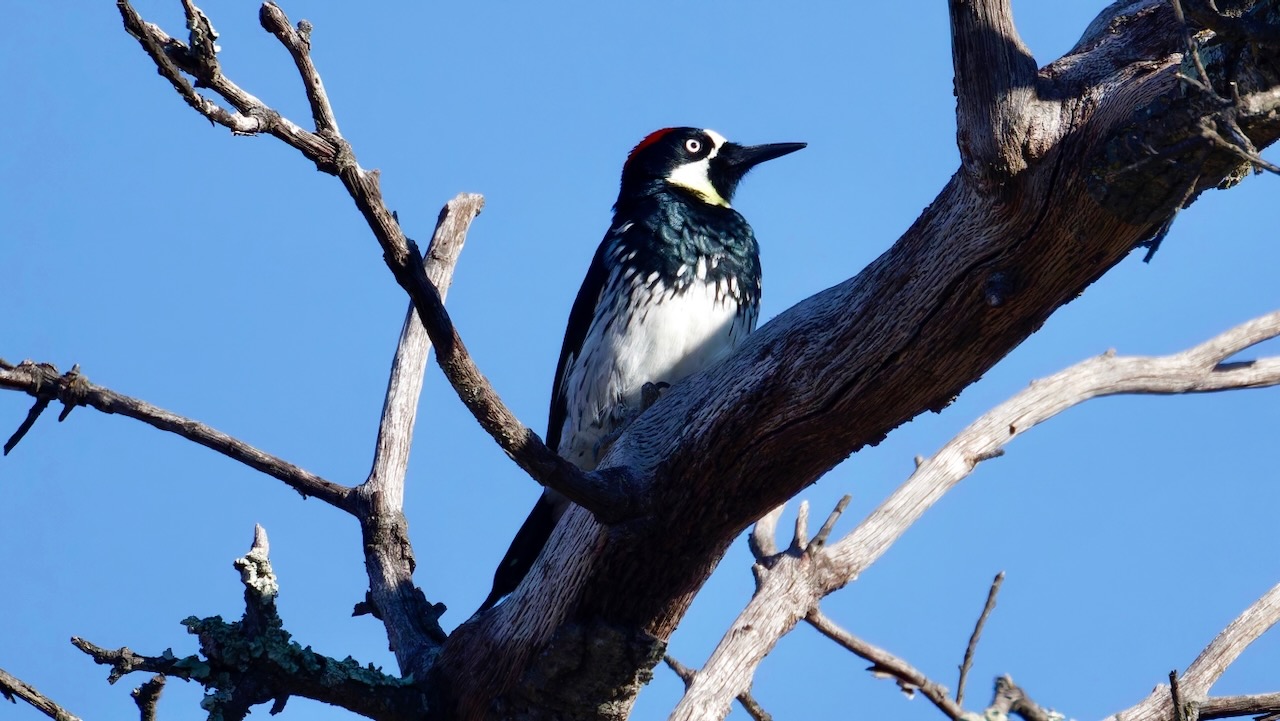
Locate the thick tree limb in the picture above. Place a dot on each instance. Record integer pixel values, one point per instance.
(794, 583)
(412, 623)
(43, 382)
(609, 493)
(1108, 164)
(14, 688)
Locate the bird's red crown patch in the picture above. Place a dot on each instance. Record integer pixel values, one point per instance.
(649, 139)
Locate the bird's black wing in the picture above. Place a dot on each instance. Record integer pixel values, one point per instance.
(575, 334)
(537, 528)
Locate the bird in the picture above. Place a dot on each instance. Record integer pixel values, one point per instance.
(673, 286)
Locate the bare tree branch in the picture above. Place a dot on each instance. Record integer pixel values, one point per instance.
(789, 588)
(610, 494)
(1010, 698)
(1233, 706)
(14, 688)
(885, 664)
(42, 381)
(763, 536)
(1201, 369)
(977, 634)
(255, 661)
(1226, 647)
(830, 524)
(411, 622)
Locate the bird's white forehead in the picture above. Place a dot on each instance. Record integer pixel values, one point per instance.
(716, 138)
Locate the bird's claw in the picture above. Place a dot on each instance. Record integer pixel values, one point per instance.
(650, 393)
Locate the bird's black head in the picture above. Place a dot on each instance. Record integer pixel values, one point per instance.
(699, 161)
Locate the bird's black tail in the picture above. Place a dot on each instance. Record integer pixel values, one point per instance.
(525, 547)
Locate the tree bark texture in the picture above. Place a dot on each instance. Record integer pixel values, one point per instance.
(1064, 171)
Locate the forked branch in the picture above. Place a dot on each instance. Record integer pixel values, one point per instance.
(610, 495)
(790, 586)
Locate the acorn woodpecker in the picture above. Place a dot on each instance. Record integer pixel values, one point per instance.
(674, 285)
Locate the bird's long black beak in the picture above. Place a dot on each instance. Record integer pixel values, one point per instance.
(733, 161)
(741, 158)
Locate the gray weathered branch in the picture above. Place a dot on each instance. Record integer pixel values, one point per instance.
(885, 663)
(792, 586)
(13, 688)
(1226, 647)
(410, 620)
(42, 381)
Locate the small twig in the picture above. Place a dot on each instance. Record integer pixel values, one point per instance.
(977, 634)
(1189, 42)
(685, 673)
(1175, 694)
(800, 540)
(36, 409)
(749, 704)
(147, 696)
(763, 538)
(1010, 698)
(820, 540)
(886, 664)
(1242, 152)
(14, 688)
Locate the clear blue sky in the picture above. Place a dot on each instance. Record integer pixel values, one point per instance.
(225, 279)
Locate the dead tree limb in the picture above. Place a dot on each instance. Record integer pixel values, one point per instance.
(14, 688)
(255, 661)
(42, 381)
(609, 494)
(412, 623)
(791, 587)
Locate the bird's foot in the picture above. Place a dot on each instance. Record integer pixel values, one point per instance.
(650, 393)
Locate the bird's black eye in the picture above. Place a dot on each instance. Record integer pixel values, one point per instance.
(693, 146)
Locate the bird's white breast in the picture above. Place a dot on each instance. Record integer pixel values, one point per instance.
(655, 336)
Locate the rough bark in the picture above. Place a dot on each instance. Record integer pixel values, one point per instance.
(1110, 143)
